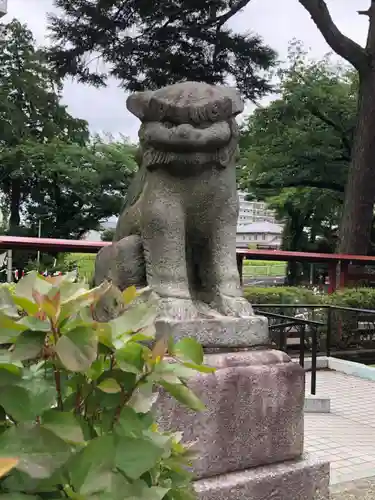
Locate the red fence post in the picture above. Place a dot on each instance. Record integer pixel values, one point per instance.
(344, 268)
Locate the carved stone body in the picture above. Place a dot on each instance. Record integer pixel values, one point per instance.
(177, 231)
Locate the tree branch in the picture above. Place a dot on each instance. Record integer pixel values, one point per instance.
(314, 110)
(306, 183)
(220, 20)
(341, 44)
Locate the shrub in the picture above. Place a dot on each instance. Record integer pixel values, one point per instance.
(344, 323)
(84, 263)
(76, 395)
(359, 298)
(281, 295)
(264, 263)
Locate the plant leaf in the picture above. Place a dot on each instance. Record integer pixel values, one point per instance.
(184, 395)
(200, 368)
(26, 305)
(110, 386)
(9, 374)
(16, 403)
(96, 460)
(133, 319)
(35, 324)
(77, 350)
(160, 348)
(39, 450)
(32, 282)
(17, 496)
(9, 327)
(130, 358)
(64, 425)
(6, 465)
(130, 423)
(7, 305)
(81, 298)
(42, 392)
(28, 345)
(190, 350)
(143, 398)
(129, 294)
(135, 456)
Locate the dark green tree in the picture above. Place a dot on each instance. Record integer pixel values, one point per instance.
(303, 138)
(148, 44)
(76, 187)
(107, 235)
(295, 152)
(358, 210)
(30, 112)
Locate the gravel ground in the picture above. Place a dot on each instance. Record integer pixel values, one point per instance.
(363, 489)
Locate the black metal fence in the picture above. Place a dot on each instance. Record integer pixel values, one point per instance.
(314, 329)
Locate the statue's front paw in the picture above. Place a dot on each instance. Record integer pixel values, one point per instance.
(178, 309)
(233, 306)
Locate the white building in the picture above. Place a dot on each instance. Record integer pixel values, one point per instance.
(3, 7)
(262, 235)
(253, 211)
(256, 226)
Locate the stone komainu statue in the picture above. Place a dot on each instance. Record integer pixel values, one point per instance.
(177, 230)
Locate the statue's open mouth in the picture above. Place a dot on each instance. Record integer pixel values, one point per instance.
(185, 137)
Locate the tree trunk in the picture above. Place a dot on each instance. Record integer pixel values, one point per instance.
(15, 205)
(293, 232)
(355, 231)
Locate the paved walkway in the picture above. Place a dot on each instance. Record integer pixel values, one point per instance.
(346, 436)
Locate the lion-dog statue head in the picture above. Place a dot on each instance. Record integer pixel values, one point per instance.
(188, 124)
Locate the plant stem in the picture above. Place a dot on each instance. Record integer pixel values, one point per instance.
(57, 375)
(77, 404)
(125, 396)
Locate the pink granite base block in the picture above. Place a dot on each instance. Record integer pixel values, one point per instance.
(306, 479)
(254, 413)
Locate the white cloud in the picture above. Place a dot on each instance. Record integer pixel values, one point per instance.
(278, 21)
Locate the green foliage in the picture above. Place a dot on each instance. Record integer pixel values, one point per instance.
(51, 170)
(76, 396)
(296, 151)
(359, 298)
(77, 186)
(261, 263)
(281, 295)
(83, 262)
(30, 114)
(108, 235)
(176, 40)
(345, 323)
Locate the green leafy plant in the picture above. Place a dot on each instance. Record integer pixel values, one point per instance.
(76, 396)
(281, 295)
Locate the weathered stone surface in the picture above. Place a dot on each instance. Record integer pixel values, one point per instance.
(254, 412)
(122, 263)
(223, 331)
(305, 479)
(183, 204)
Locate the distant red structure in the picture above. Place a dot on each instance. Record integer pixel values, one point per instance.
(338, 264)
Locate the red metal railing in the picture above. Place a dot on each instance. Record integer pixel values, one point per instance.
(337, 263)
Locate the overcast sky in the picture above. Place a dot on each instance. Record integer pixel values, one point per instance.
(278, 21)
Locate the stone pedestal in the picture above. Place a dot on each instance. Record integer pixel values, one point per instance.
(249, 441)
(222, 332)
(305, 479)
